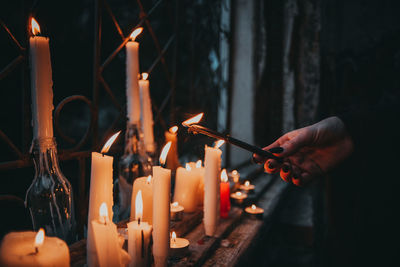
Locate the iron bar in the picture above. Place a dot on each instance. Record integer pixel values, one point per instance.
(11, 66)
(12, 36)
(11, 145)
(160, 56)
(110, 93)
(114, 20)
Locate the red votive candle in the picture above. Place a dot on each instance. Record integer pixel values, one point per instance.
(225, 201)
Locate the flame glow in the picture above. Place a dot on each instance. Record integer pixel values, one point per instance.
(198, 163)
(247, 183)
(135, 33)
(145, 75)
(164, 153)
(173, 236)
(39, 239)
(235, 172)
(139, 206)
(187, 166)
(173, 129)
(103, 212)
(148, 179)
(224, 176)
(253, 207)
(109, 143)
(219, 143)
(192, 120)
(175, 204)
(238, 193)
(35, 27)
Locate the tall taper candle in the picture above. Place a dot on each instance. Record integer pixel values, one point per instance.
(146, 114)
(212, 170)
(132, 72)
(161, 210)
(41, 84)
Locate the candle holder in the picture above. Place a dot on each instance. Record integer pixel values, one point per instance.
(133, 164)
(49, 198)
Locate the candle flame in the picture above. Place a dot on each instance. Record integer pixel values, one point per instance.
(173, 236)
(35, 27)
(247, 183)
(219, 143)
(139, 206)
(198, 163)
(187, 166)
(235, 172)
(192, 120)
(145, 75)
(109, 143)
(148, 179)
(103, 212)
(135, 33)
(164, 152)
(224, 176)
(39, 239)
(238, 193)
(173, 129)
(253, 207)
(175, 204)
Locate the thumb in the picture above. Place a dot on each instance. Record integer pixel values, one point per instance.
(302, 137)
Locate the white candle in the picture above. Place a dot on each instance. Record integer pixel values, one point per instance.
(200, 192)
(176, 211)
(139, 232)
(172, 158)
(179, 246)
(132, 72)
(147, 114)
(41, 84)
(161, 210)
(27, 249)
(186, 188)
(101, 190)
(145, 184)
(107, 242)
(212, 170)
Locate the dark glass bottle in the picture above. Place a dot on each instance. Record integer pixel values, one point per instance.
(133, 164)
(49, 197)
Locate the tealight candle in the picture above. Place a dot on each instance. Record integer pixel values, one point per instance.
(176, 211)
(247, 187)
(235, 177)
(239, 197)
(178, 246)
(254, 211)
(33, 249)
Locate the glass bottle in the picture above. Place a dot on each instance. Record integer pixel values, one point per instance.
(49, 197)
(133, 164)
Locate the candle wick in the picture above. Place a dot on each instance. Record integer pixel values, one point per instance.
(139, 221)
(36, 250)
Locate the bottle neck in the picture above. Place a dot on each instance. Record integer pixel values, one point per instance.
(44, 151)
(133, 140)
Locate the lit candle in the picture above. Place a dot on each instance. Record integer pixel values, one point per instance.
(145, 184)
(41, 84)
(101, 190)
(179, 246)
(132, 73)
(139, 233)
(247, 187)
(254, 211)
(239, 197)
(176, 211)
(147, 114)
(212, 170)
(107, 242)
(33, 249)
(161, 210)
(172, 159)
(186, 188)
(225, 202)
(235, 177)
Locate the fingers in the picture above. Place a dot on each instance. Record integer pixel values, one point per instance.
(271, 166)
(259, 159)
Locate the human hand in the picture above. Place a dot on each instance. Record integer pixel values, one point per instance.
(309, 152)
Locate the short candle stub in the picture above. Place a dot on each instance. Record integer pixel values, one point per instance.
(254, 212)
(176, 212)
(238, 197)
(247, 187)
